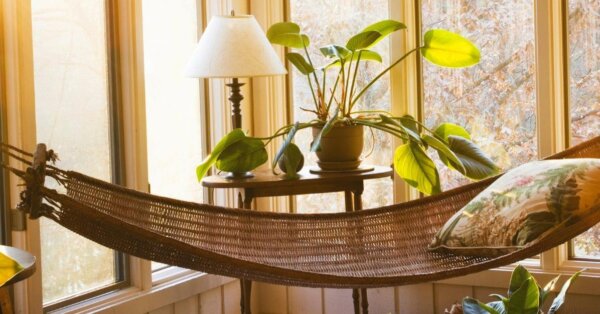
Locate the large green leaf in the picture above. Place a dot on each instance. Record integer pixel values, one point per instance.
(416, 168)
(287, 34)
(560, 298)
(362, 40)
(474, 306)
(290, 40)
(518, 277)
(292, 158)
(242, 156)
(229, 139)
(525, 299)
(282, 28)
(300, 63)
(284, 145)
(477, 165)
(443, 150)
(444, 130)
(449, 49)
(384, 28)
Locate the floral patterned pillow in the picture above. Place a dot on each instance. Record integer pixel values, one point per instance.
(521, 206)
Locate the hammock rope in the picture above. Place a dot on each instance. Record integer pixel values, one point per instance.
(379, 247)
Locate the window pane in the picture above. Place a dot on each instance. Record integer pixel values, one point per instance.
(172, 100)
(71, 92)
(343, 19)
(494, 100)
(584, 83)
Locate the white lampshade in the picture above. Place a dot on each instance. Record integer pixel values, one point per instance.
(234, 46)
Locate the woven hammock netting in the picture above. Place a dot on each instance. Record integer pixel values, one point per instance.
(378, 247)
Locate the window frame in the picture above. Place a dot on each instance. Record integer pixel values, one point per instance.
(552, 102)
(116, 129)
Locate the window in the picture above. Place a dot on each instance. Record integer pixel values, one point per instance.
(173, 103)
(494, 100)
(73, 114)
(584, 88)
(344, 19)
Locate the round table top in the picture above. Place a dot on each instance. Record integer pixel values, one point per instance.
(22, 257)
(265, 178)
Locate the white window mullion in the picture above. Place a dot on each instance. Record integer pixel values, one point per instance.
(405, 81)
(551, 95)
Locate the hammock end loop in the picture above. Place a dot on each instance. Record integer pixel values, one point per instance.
(34, 177)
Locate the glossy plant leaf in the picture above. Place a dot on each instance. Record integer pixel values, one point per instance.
(444, 130)
(393, 122)
(326, 128)
(498, 306)
(335, 51)
(560, 298)
(477, 165)
(285, 144)
(525, 299)
(287, 34)
(298, 41)
(447, 49)
(300, 63)
(409, 122)
(416, 168)
(547, 288)
(229, 139)
(282, 28)
(517, 278)
(8, 268)
(384, 28)
(242, 156)
(292, 158)
(443, 150)
(362, 40)
(474, 306)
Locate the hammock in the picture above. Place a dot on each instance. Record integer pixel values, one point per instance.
(379, 247)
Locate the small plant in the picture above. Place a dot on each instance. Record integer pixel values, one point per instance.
(525, 296)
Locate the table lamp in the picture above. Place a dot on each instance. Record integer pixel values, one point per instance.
(234, 46)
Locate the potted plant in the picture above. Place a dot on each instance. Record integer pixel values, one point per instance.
(524, 296)
(338, 126)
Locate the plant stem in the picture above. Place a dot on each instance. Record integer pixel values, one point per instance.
(346, 99)
(354, 78)
(379, 76)
(314, 75)
(386, 129)
(335, 85)
(312, 91)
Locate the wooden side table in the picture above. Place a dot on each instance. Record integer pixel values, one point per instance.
(266, 184)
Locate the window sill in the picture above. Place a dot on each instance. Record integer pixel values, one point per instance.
(587, 283)
(135, 300)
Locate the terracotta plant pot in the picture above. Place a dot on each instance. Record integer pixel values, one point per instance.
(340, 147)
